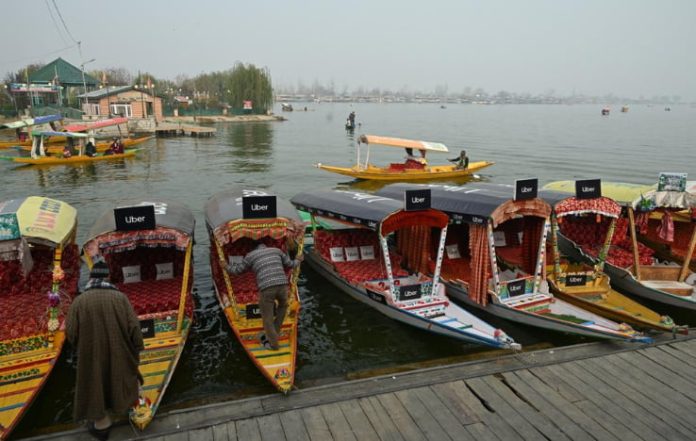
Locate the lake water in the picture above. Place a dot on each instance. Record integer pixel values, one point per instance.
(341, 338)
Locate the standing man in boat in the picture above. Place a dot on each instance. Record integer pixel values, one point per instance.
(105, 332)
(268, 264)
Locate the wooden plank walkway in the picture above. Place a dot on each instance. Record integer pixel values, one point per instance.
(596, 391)
(172, 129)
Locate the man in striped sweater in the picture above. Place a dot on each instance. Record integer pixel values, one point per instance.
(268, 264)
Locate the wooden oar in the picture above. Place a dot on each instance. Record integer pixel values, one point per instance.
(223, 265)
(687, 259)
(184, 288)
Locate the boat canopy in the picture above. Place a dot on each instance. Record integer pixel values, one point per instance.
(679, 200)
(38, 220)
(174, 227)
(31, 121)
(224, 215)
(565, 205)
(403, 143)
(475, 203)
(47, 133)
(621, 192)
(384, 214)
(96, 125)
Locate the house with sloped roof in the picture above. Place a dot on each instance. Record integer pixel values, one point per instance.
(128, 101)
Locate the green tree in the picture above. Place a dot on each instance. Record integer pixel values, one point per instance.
(248, 82)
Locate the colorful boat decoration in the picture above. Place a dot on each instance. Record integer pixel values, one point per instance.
(232, 225)
(358, 260)
(96, 124)
(636, 263)
(588, 286)
(414, 169)
(493, 224)
(150, 261)
(39, 272)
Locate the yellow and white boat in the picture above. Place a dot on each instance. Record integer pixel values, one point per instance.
(38, 256)
(57, 147)
(414, 169)
(232, 225)
(153, 267)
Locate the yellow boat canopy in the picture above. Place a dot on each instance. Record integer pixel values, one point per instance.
(38, 219)
(403, 143)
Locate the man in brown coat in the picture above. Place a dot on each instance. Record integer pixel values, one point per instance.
(104, 329)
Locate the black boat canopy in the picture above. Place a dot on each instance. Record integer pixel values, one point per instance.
(474, 203)
(366, 210)
(226, 206)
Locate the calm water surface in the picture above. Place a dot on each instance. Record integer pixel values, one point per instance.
(341, 338)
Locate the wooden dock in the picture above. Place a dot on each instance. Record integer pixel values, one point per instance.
(595, 391)
(172, 129)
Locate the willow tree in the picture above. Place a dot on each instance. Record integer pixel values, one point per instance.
(249, 83)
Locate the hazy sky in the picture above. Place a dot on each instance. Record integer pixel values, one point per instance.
(629, 48)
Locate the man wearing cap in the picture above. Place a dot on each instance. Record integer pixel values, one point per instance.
(105, 332)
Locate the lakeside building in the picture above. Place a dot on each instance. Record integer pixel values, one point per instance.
(128, 101)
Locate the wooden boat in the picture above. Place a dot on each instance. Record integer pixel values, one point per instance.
(232, 225)
(491, 224)
(633, 266)
(587, 286)
(38, 255)
(359, 261)
(411, 170)
(29, 122)
(57, 148)
(150, 261)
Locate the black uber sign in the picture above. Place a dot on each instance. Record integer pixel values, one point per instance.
(141, 217)
(147, 328)
(516, 288)
(417, 199)
(588, 189)
(253, 311)
(409, 292)
(526, 189)
(258, 207)
(576, 279)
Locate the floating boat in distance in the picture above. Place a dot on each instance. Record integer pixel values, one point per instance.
(636, 262)
(359, 261)
(493, 224)
(605, 111)
(285, 107)
(151, 263)
(233, 221)
(29, 122)
(414, 169)
(624, 109)
(587, 286)
(39, 256)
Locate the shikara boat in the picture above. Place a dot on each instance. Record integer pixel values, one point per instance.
(84, 127)
(29, 122)
(392, 280)
(57, 148)
(495, 255)
(148, 246)
(411, 170)
(39, 272)
(587, 286)
(233, 222)
(657, 274)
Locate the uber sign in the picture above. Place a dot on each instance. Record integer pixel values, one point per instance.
(147, 328)
(258, 207)
(576, 280)
(417, 199)
(253, 311)
(409, 292)
(588, 189)
(526, 189)
(135, 218)
(516, 288)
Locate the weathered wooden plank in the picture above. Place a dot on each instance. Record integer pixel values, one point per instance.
(534, 417)
(402, 420)
(178, 436)
(338, 425)
(665, 376)
(232, 431)
(503, 410)
(200, 434)
(220, 432)
(379, 419)
(569, 409)
(681, 356)
(270, 428)
(668, 361)
(447, 392)
(624, 409)
(442, 414)
(248, 430)
(688, 347)
(662, 419)
(492, 420)
(358, 421)
(293, 426)
(315, 424)
(564, 389)
(603, 411)
(420, 414)
(481, 432)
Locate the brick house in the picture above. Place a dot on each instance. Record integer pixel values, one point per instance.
(127, 101)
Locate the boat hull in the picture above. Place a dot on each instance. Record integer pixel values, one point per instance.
(429, 173)
(49, 160)
(625, 281)
(57, 148)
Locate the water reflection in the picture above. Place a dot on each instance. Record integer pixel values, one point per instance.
(251, 146)
(372, 186)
